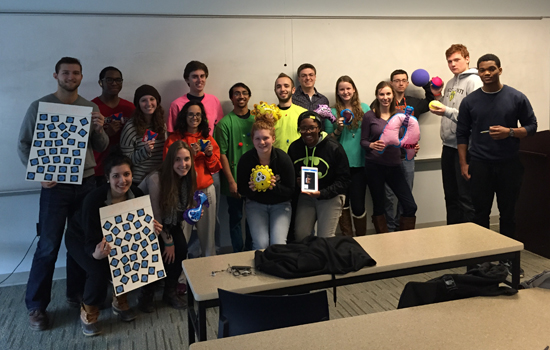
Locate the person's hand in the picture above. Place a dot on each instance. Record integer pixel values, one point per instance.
(464, 170)
(273, 182)
(209, 149)
(340, 123)
(314, 194)
(157, 226)
(498, 132)
(378, 145)
(113, 127)
(195, 148)
(48, 184)
(252, 185)
(97, 122)
(102, 250)
(169, 254)
(416, 149)
(440, 111)
(150, 145)
(233, 190)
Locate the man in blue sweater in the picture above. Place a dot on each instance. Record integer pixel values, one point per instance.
(489, 122)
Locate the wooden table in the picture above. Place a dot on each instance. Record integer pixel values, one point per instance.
(397, 254)
(520, 321)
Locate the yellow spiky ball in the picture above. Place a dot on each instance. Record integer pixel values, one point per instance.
(263, 108)
(261, 176)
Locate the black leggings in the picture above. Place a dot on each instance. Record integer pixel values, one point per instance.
(173, 270)
(357, 192)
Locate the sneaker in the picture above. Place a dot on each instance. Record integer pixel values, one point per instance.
(38, 320)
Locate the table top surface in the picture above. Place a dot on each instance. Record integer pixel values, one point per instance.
(505, 322)
(391, 251)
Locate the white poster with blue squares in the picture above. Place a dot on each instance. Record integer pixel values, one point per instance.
(135, 258)
(58, 148)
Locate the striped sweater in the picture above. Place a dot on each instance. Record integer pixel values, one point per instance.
(144, 160)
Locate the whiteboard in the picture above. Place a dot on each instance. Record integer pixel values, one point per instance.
(154, 50)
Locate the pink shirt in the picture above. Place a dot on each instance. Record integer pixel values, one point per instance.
(212, 107)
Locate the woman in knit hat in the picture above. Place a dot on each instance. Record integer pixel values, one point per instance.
(143, 137)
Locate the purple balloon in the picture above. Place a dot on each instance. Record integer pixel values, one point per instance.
(420, 77)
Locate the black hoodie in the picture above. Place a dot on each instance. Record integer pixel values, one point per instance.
(329, 158)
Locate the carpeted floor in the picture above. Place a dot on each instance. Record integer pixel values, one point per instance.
(166, 328)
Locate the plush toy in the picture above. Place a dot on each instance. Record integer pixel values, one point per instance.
(411, 134)
(149, 136)
(263, 108)
(261, 176)
(203, 144)
(193, 215)
(348, 116)
(436, 104)
(325, 112)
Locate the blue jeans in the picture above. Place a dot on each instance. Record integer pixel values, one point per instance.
(269, 223)
(235, 210)
(57, 206)
(393, 215)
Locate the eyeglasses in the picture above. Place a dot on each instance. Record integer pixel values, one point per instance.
(303, 130)
(238, 93)
(397, 81)
(195, 116)
(111, 80)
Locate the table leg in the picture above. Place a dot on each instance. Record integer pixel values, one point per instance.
(516, 261)
(190, 316)
(201, 322)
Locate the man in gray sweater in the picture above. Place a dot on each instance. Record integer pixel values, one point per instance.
(58, 202)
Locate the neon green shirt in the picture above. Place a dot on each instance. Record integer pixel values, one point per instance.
(286, 129)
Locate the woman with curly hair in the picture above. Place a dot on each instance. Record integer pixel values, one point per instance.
(268, 212)
(148, 117)
(192, 128)
(349, 136)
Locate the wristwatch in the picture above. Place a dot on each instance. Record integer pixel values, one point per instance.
(511, 133)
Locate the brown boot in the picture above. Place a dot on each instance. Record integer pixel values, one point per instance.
(88, 320)
(122, 308)
(360, 224)
(379, 222)
(345, 222)
(407, 223)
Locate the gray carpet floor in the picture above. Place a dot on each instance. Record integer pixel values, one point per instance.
(166, 328)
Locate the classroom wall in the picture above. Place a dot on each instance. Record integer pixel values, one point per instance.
(162, 45)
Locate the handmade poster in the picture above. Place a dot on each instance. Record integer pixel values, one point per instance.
(135, 258)
(59, 143)
(310, 178)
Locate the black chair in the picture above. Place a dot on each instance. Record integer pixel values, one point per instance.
(245, 313)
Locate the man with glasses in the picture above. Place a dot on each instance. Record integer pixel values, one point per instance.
(117, 112)
(286, 130)
(400, 81)
(233, 137)
(306, 94)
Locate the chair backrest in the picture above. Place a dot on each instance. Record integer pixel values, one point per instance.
(245, 313)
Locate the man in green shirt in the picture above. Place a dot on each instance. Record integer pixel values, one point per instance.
(232, 134)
